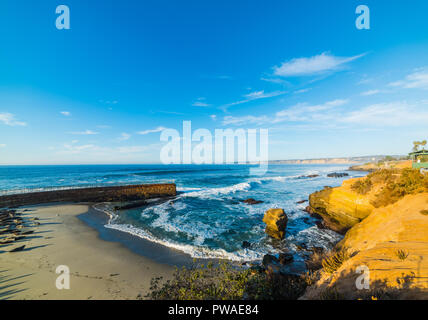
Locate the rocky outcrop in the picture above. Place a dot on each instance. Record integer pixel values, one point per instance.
(341, 207)
(392, 246)
(251, 201)
(337, 175)
(276, 222)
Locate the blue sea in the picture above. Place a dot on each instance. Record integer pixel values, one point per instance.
(206, 219)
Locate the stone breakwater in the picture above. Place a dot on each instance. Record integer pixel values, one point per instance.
(98, 194)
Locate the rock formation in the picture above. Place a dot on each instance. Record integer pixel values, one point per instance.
(341, 208)
(391, 244)
(276, 222)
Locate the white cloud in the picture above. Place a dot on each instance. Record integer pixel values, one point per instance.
(237, 121)
(416, 80)
(2, 145)
(158, 129)
(86, 132)
(302, 90)
(312, 65)
(124, 136)
(397, 113)
(213, 117)
(305, 112)
(200, 104)
(66, 113)
(370, 92)
(75, 149)
(9, 120)
(300, 112)
(256, 95)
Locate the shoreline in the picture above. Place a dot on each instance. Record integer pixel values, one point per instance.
(101, 268)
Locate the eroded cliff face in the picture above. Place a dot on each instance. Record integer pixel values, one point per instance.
(341, 208)
(392, 245)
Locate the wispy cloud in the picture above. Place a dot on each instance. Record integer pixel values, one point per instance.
(200, 103)
(2, 145)
(66, 113)
(86, 132)
(9, 120)
(124, 136)
(330, 115)
(307, 112)
(312, 65)
(416, 80)
(213, 117)
(301, 112)
(397, 113)
(370, 92)
(158, 129)
(237, 121)
(255, 95)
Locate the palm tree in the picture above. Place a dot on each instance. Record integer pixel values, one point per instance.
(423, 144)
(416, 145)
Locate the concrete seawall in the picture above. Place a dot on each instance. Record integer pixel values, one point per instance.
(99, 194)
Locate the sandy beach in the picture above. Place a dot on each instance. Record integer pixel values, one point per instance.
(99, 269)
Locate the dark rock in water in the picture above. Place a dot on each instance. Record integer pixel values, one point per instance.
(296, 268)
(251, 201)
(269, 259)
(285, 258)
(17, 249)
(301, 201)
(246, 244)
(308, 176)
(317, 250)
(301, 247)
(337, 175)
(309, 210)
(320, 225)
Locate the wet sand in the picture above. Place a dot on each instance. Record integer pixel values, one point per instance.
(99, 269)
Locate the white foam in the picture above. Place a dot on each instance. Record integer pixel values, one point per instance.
(194, 251)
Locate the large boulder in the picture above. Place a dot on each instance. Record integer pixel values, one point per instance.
(341, 207)
(276, 222)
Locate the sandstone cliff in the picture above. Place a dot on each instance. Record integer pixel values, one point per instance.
(341, 208)
(392, 242)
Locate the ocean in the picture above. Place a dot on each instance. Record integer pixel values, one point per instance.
(207, 218)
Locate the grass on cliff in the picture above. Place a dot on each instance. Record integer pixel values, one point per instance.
(334, 261)
(226, 282)
(396, 183)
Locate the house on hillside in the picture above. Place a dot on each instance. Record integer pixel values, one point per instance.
(419, 158)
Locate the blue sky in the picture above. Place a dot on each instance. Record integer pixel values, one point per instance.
(101, 91)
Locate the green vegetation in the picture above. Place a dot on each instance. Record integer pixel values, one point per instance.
(334, 261)
(396, 183)
(362, 186)
(226, 282)
(401, 254)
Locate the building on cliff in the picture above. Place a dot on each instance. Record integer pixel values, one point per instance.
(419, 158)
